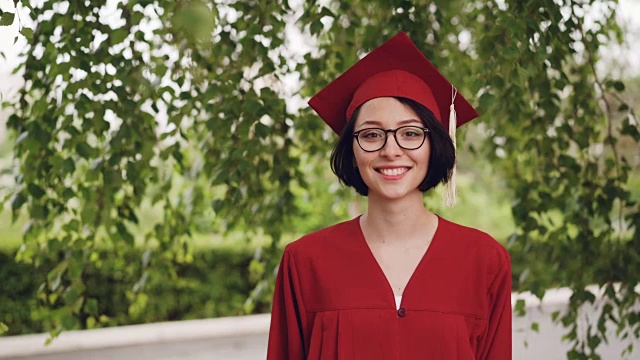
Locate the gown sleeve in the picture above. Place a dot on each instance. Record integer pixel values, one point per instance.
(496, 342)
(288, 315)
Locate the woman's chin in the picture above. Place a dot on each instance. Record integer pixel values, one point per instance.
(394, 195)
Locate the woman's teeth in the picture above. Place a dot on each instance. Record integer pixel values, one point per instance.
(393, 172)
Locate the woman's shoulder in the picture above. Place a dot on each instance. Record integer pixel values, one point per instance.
(473, 241)
(325, 237)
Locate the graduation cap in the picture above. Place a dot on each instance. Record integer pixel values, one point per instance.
(396, 68)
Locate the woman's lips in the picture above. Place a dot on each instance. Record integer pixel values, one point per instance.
(392, 173)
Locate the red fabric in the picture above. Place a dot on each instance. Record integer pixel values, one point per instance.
(397, 53)
(396, 83)
(332, 300)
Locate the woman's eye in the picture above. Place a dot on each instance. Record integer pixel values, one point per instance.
(371, 135)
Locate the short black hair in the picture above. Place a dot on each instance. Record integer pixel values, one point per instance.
(441, 160)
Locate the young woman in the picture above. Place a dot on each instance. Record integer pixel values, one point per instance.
(398, 282)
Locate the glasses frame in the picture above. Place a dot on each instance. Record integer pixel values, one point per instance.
(386, 137)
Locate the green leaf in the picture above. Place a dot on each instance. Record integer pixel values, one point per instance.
(630, 129)
(17, 200)
(118, 36)
(520, 307)
(27, 32)
(262, 130)
(594, 341)
(486, 101)
(35, 190)
(84, 150)
(69, 165)
(88, 214)
(41, 135)
(91, 322)
(325, 11)
(616, 84)
(7, 19)
(3, 328)
(68, 321)
(316, 27)
(70, 295)
(76, 268)
(52, 298)
(124, 233)
(535, 327)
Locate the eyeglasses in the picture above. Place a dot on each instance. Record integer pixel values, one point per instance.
(407, 137)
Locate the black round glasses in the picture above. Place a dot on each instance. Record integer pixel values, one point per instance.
(407, 137)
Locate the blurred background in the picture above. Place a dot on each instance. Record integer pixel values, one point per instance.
(156, 156)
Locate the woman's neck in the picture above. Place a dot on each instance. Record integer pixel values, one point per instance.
(397, 219)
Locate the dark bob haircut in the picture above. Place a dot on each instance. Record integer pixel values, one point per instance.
(441, 160)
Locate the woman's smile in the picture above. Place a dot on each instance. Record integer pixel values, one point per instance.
(392, 172)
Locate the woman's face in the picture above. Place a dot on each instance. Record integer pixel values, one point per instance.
(391, 172)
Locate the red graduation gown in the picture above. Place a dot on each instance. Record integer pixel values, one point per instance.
(332, 300)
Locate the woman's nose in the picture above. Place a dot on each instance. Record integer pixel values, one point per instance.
(391, 148)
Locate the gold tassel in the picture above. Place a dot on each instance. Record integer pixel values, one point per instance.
(450, 195)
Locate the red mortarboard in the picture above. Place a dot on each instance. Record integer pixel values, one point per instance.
(396, 68)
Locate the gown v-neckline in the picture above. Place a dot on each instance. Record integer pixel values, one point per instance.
(391, 296)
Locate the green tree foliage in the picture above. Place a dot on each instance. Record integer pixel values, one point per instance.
(204, 288)
(185, 103)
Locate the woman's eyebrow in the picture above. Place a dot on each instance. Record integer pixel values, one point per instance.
(378, 123)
